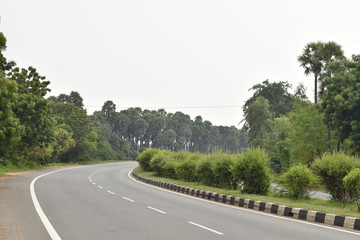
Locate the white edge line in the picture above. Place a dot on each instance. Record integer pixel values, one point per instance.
(128, 199)
(206, 228)
(157, 210)
(244, 209)
(49, 228)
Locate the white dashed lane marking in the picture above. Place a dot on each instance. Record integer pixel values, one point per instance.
(206, 228)
(128, 199)
(157, 210)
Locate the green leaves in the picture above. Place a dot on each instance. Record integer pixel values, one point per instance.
(352, 186)
(331, 169)
(11, 130)
(315, 57)
(341, 101)
(298, 181)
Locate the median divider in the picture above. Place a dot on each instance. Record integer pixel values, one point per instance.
(296, 213)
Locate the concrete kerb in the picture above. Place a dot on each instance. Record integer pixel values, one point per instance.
(297, 213)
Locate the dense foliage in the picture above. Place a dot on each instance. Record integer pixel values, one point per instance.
(298, 181)
(217, 170)
(352, 186)
(331, 169)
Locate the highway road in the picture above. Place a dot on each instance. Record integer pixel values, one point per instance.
(102, 202)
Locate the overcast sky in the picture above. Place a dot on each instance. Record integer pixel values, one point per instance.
(178, 55)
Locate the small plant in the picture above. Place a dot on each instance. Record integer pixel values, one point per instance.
(331, 169)
(298, 181)
(352, 186)
(253, 168)
(145, 157)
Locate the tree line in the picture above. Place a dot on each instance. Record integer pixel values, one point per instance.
(292, 130)
(37, 130)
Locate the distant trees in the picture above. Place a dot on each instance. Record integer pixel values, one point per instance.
(137, 129)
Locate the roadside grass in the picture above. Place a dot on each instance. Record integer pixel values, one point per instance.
(309, 204)
(13, 169)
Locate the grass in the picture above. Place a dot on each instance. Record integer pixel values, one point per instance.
(309, 204)
(14, 169)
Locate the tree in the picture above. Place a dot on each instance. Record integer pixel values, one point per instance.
(5, 65)
(341, 102)
(32, 108)
(315, 57)
(308, 135)
(11, 130)
(280, 100)
(73, 98)
(81, 128)
(277, 145)
(258, 121)
(108, 110)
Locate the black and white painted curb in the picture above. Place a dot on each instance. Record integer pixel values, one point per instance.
(297, 213)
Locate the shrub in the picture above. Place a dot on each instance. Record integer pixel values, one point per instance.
(253, 168)
(352, 186)
(145, 157)
(185, 170)
(169, 169)
(158, 161)
(204, 172)
(298, 181)
(331, 169)
(180, 156)
(221, 168)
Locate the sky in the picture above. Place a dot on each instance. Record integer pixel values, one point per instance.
(199, 57)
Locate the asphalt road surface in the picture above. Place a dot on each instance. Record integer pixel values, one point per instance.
(102, 202)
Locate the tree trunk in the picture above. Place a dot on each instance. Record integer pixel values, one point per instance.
(315, 90)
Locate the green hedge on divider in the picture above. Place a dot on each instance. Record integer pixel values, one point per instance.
(217, 170)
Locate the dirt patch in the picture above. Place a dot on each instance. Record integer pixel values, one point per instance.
(4, 233)
(12, 174)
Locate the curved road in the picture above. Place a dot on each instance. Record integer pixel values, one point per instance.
(103, 202)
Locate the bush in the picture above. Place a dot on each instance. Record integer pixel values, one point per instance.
(169, 169)
(185, 170)
(352, 186)
(145, 157)
(180, 156)
(221, 168)
(204, 172)
(298, 181)
(253, 168)
(158, 162)
(331, 169)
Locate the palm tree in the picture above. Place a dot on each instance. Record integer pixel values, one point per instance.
(315, 57)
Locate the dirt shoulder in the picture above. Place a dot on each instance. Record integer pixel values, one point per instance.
(12, 174)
